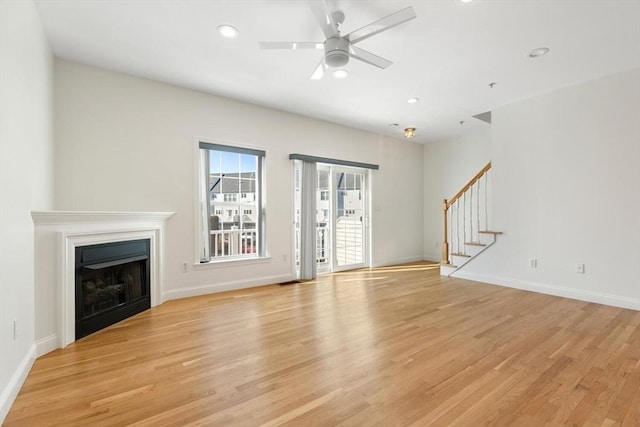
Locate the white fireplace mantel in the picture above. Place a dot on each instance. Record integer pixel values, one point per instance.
(57, 234)
(101, 217)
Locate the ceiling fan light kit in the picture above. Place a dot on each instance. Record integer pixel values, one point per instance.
(340, 74)
(338, 49)
(336, 52)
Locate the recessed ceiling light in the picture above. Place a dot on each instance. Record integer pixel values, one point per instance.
(340, 74)
(466, 1)
(541, 51)
(228, 31)
(413, 100)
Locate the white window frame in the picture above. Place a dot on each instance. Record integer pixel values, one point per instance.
(202, 205)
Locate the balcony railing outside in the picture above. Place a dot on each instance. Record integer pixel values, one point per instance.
(233, 242)
(349, 236)
(322, 241)
(322, 245)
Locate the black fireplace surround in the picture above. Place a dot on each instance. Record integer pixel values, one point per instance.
(112, 283)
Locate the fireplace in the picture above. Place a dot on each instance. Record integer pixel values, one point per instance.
(112, 283)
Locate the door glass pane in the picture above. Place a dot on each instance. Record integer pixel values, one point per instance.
(349, 223)
(323, 220)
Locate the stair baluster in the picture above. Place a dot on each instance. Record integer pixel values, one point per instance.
(486, 208)
(478, 208)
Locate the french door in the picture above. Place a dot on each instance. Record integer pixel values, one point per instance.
(341, 218)
(349, 219)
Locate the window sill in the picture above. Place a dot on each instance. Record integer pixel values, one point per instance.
(223, 263)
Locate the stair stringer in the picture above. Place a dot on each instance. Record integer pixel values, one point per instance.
(473, 250)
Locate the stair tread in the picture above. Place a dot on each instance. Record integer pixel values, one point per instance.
(448, 265)
(475, 244)
(460, 254)
(489, 232)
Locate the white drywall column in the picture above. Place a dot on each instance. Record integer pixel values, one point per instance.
(26, 181)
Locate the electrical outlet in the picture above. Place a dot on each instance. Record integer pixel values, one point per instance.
(533, 262)
(580, 268)
(185, 267)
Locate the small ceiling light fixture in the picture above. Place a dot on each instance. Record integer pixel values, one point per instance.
(413, 100)
(340, 74)
(228, 31)
(536, 53)
(409, 133)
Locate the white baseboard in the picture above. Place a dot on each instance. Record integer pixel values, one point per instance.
(46, 345)
(12, 389)
(560, 291)
(225, 286)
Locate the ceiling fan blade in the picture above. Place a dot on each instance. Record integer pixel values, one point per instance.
(319, 72)
(368, 57)
(290, 45)
(322, 14)
(381, 25)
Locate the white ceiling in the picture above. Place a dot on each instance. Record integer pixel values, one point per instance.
(447, 56)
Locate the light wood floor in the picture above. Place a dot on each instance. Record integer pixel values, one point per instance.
(390, 346)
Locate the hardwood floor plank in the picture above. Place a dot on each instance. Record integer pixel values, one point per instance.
(390, 346)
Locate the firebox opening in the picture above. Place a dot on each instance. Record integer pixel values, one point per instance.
(112, 283)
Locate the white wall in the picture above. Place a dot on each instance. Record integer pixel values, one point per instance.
(26, 181)
(127, 144)
(566, 190)
(448, 166)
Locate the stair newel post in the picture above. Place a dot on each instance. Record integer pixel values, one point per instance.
(445, 244)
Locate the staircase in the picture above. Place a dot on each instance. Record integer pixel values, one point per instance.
(466, 223)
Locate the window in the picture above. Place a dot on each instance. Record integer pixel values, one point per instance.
(324, 195)
(231, 182)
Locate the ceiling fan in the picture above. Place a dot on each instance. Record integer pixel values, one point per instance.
(338, 48)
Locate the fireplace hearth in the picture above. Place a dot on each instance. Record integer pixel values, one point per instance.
(112, 283)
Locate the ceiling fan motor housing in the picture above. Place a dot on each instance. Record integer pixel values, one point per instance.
(336, 52)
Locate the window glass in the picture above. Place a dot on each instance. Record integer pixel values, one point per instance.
(232, 217)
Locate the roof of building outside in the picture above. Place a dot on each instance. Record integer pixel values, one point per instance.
(244, 182)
